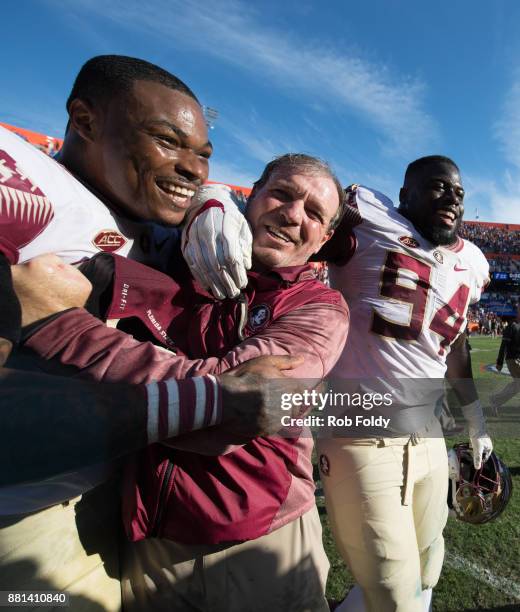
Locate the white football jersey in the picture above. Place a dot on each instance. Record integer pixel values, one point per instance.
(65, 218)
(408, 299)
(72, 222)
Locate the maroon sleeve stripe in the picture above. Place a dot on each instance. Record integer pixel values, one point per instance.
(164, 402)
(210, 402)
(187, 403)
(176, 407)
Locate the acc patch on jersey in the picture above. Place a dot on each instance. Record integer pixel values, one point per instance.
(408, 241)
(109, 241)
(259, 316)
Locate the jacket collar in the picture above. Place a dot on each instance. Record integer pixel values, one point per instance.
(288, 274)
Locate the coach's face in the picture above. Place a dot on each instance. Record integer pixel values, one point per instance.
(290, 217)
(153, 152)
(433, 200)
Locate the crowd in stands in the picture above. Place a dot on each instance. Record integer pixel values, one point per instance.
(492, 239)
(504, 264)
(501, 245)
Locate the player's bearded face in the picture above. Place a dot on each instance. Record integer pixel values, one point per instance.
(153, 153)
(434, 203)
(290, 217)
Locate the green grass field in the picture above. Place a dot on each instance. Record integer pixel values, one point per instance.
(482, 565)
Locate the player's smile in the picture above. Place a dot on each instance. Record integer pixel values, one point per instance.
(178, 194)
(447, 216)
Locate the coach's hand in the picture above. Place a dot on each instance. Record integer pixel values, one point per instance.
(252, 394)
(45, 285)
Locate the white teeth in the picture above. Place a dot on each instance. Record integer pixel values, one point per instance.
(175, 190)
(279, 235)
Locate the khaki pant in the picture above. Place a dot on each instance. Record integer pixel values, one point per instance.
(71, 547)
(284, 571)
(511, 389)
(386, 501)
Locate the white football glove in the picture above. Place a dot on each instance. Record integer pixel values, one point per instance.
(217, 241)
(480, 442)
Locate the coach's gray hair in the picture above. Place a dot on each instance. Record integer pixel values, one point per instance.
(309, 166)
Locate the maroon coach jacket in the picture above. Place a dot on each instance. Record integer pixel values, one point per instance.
(193, 497)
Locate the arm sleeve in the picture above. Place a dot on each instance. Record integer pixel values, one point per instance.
(316, 331)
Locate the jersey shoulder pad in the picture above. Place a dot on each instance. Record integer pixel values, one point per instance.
(473, 255)
(371, 203)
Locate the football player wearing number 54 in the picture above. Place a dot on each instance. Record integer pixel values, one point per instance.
(408, 280)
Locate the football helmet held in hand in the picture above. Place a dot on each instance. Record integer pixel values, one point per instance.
(477, 496)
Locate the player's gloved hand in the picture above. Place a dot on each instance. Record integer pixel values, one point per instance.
(217, 241)
(480, 441)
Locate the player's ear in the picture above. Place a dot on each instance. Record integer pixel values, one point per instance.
(83, 119)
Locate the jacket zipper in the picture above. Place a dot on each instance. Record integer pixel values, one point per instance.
(163, 494)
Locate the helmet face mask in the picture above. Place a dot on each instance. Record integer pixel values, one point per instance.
(477, 496)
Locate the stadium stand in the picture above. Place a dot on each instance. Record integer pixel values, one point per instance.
(500, 243)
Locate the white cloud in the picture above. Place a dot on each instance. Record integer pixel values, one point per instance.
(233, 32)
(494, 201)
(507, 128)
(222, 172)
(261, 148)
(498, 199)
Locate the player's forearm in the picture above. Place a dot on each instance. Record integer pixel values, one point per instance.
(51, 425)
(105, 354)
(101, 353)
(459, 372)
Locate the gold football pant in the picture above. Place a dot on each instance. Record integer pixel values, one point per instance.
(285, 570)
(71, 547)
(386, 501)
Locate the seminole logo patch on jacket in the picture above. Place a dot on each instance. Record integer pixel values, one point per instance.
(259, 317)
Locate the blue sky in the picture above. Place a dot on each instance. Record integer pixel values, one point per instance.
(368, 86)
